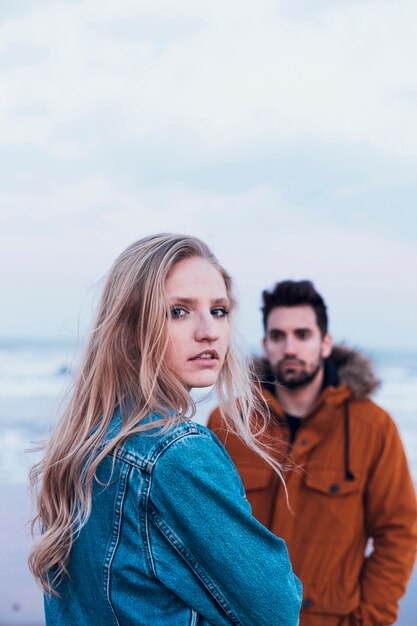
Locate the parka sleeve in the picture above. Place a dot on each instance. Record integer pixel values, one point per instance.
(207, 547)
(391, 518)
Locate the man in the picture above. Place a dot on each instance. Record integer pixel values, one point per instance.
(347, 476)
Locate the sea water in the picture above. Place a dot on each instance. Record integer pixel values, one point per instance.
(34, 376)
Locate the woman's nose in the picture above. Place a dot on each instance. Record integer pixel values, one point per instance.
(205, 329)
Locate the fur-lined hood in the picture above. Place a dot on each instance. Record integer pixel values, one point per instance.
(354, 369)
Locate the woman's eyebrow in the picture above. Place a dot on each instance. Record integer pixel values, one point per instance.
(224, 301)
(183, 300)
(194, 301)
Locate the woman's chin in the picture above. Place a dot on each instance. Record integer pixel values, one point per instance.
(198, 382)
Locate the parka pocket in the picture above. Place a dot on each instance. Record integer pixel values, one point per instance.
(331, 482)
(333, 504)
(254, 478)
(259, 486)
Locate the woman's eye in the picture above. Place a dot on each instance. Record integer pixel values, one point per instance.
(219, 312)
(178, 312)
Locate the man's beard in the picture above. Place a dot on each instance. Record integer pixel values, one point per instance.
(295, 379)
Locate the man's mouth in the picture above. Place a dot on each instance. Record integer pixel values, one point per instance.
(291, 363)
(206, 355)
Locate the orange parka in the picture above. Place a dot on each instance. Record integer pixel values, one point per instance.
(351, 531)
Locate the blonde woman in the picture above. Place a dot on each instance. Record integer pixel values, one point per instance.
(143, 517)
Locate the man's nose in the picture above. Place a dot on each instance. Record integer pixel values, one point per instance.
(290, 347)
(206, 329)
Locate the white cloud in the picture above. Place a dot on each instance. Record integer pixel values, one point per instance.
(244, 70)
(196, 85)
(364, 273)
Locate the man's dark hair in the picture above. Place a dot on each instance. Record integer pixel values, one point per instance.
(295, 293)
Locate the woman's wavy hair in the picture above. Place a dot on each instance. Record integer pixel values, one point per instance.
(123, 366)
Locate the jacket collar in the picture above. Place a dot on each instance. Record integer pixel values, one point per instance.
(347, 372)
(330, 396)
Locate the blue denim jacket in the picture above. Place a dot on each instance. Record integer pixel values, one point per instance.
(171, 541)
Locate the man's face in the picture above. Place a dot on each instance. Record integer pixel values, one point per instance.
(294, 345)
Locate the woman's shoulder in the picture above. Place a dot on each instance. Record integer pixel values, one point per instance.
(146, 447)
(195, 459)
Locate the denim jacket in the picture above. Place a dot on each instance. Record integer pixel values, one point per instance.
(171, 541)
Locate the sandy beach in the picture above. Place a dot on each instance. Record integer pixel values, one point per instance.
(20, 598)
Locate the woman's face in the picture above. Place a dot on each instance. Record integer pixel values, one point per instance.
(199, 327)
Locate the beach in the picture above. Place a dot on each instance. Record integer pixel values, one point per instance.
(33, 378)
(20, 598)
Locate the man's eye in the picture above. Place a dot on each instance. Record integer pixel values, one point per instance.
(220, 312)
(178, 312)
(276, 336)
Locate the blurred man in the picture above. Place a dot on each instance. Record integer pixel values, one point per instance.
(347, 477)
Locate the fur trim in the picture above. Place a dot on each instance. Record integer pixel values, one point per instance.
(354, 369)
(259, 368)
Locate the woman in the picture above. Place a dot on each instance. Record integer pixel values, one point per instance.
(143, 516)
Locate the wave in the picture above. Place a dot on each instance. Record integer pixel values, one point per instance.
(34, 376)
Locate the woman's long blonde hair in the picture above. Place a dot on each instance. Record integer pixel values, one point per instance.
(123, 366)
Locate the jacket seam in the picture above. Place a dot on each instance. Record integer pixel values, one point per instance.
(115, 537)
(193, 564)
(144, 527)
(147, 464)
(164, 445)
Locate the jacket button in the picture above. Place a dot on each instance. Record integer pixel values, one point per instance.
(334, 488)
(304, 442)
(307, 603)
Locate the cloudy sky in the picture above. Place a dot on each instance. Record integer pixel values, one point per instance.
(284, 133)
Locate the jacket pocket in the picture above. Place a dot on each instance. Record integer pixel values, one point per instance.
(331, 482)
(255, 478)
(333, 505)
(259, 488)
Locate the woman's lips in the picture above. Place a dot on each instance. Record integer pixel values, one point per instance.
(207, 356)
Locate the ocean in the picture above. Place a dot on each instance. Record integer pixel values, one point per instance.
(33, 378)
(35, 374)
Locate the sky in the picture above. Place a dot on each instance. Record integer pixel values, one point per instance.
(282, 133)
